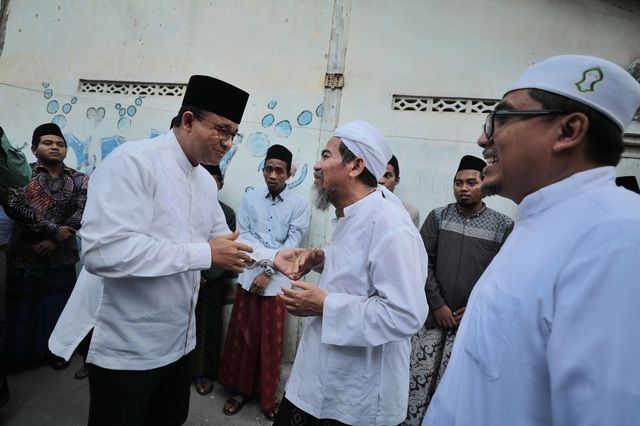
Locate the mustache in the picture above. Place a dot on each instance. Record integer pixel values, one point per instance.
(491, 152)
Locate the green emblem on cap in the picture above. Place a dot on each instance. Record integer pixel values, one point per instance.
(589, 79)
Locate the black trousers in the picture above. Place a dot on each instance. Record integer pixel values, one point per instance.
(290, 415)
(158, 397)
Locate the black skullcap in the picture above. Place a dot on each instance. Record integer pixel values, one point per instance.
(216, 96)
(628, 182)
(469, 162)
(394, 163)
(279, 152)
(47, 129)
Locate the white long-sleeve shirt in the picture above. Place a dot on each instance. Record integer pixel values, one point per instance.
(550, 335)
(277, 224)
(145, 228)
(352, 363)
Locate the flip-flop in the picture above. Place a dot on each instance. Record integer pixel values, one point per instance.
(202, 381)
(271, 413)
(235, 404)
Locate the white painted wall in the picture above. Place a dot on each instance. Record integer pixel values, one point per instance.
(279, 51)
(468, 49)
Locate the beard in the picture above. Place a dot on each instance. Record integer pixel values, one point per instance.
(322, 197)
(489, 189)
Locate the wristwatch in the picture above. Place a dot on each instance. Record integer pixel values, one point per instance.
(268, 271)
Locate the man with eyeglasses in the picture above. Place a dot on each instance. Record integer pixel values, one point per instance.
(274, 217)
(550, 334)
(151, 224)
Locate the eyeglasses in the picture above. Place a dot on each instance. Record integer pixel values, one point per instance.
(488, 126)
(223, 133)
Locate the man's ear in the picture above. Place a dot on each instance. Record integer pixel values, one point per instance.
(187, 120)
(398, 180)
(572, 132)
(33, 149)
(357, 167)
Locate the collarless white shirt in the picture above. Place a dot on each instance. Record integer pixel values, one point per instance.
(145, 228)
(276, 224)
(550, 335)
(352, 363)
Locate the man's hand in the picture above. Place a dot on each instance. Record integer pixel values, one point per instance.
(306, 303)
(459, 314)
(285, 259)
(226, 254)
(45, 248)
(307, 260)
(444, 317)
(259, 284)
(203, 281)
(65, 233)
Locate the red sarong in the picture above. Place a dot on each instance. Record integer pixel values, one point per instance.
(253, 349)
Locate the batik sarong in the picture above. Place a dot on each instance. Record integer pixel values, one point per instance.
(430, 353)
(253, 349)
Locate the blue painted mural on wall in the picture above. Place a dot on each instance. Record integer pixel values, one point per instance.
(258, 143)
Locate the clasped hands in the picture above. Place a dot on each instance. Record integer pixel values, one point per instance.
(227, 253)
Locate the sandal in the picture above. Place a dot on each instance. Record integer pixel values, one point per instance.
(271, 414)
(202, 382)
(58, 363)
(82, 373)
(235, 404)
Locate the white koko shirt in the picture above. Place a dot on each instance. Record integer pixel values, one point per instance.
(551, 333)
(148, 218)
(352, 363)
(277, 224)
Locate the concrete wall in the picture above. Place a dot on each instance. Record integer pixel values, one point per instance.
(279, 52)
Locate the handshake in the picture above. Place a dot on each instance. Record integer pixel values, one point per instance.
(231, 255)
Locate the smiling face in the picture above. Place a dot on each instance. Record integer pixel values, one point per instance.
(329, 173)
(208, 147)
(518, 149)
(50, 150)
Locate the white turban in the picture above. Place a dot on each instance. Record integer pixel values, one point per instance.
(364, 141)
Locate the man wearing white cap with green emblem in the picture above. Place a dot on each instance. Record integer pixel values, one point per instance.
(550, 334)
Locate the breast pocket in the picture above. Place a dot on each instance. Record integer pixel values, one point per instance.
(489, 332)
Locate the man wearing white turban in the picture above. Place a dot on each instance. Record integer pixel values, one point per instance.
(352, 365)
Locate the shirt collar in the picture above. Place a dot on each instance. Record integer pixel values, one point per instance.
(475, 214)
(38, 166)
(360, 204)
(281, 196)
(178, 153)
(570, 187)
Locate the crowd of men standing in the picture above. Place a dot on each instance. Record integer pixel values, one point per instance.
(467, 318)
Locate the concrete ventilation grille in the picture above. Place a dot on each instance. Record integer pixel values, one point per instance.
(132, 88)
(455, 105)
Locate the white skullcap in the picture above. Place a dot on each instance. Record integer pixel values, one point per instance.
(595, 82)
(364, 141)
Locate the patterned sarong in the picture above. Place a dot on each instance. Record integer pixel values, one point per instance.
(253, 350)
(430, 353)
(35, 299)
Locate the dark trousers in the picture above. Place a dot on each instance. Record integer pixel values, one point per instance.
(158, 397)
(290, 415)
